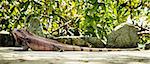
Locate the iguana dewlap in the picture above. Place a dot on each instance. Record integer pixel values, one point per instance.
(29, 40)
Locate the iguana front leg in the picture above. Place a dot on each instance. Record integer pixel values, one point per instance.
(24, 46)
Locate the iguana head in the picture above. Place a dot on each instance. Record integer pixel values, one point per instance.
(18, 35)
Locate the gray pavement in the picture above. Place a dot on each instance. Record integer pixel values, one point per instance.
(8, 56)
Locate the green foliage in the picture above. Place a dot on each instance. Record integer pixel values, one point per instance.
(71, 17)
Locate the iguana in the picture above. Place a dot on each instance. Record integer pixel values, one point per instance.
(36, 43)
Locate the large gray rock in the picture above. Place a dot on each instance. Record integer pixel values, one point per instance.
(125, 36)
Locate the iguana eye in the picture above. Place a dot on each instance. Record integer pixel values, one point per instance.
(18, 30)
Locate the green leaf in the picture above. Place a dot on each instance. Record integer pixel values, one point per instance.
(25, 6)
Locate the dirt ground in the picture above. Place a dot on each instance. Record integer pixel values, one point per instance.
(8, 56)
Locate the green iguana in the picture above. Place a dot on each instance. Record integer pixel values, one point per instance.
(29, 40)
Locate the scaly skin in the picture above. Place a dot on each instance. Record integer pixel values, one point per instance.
(29, 40)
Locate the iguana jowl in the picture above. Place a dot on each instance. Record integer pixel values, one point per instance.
(29, 40)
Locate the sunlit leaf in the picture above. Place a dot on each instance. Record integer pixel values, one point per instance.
(55, 25)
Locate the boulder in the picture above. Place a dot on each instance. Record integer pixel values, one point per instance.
(123, 37)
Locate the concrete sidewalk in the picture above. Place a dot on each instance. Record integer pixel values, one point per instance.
(8, 56)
